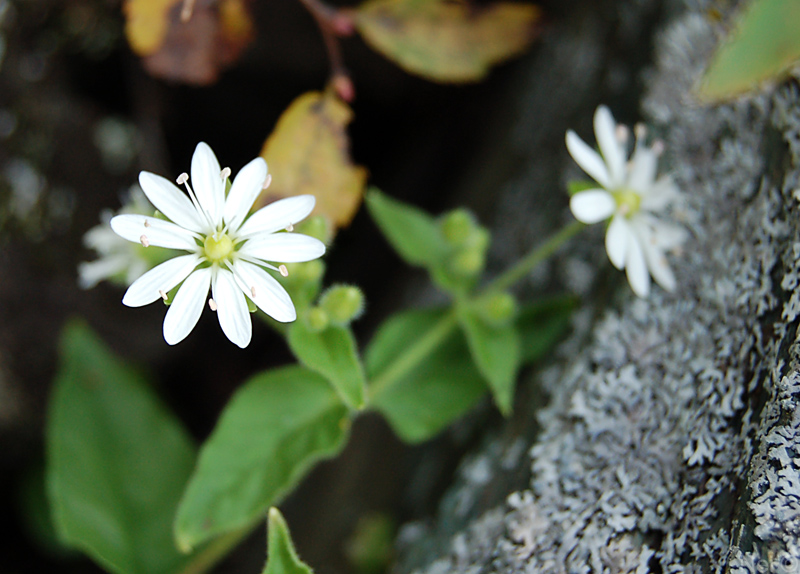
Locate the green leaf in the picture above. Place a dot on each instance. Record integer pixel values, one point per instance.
(578, 185)
(421, 398)
(764, 45)
(117, 460)
(331, 353)
(447, 41)
(542, 324)
(414, 234)
(496, 351)
(273, 430)
(282, 557)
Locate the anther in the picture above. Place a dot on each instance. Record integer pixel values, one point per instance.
(163, 295)
(187, 10)
(225, 173)
(212, 304)
(144, 240)
(146, 223)
(283, 270)
(658, 147)
(640, 130)
(621, 134)
(253, 291)
(182, 178)
(290, 227)
(267, 181)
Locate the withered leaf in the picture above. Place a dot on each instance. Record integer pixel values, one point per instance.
(447, 41)
(192, 51)
(308, 152)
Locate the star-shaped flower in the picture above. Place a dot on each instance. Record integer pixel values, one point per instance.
(228, 252)
(630, 194)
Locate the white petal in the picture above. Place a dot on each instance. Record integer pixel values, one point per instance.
(592, 205)
(618, 236)
(163, 277)
(90, 273)
(156, 232)
(278, 215)
(284, 247)
(186, 308)
(589, 160)
(207, 182)
(643, 166)
(636, 269)
(654, 253)
(232, 311)
(270, 296)
(613, 151)
(245, 189)
(171, 201)
(664, 235)
(661, 194)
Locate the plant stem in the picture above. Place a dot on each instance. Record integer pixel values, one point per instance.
(414, 354)
(527, 264)
(218, 549)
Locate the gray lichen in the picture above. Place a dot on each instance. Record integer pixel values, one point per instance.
(672, 440)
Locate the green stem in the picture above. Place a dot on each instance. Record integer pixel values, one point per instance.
(415, 354)
(209, 556)
(526, 265)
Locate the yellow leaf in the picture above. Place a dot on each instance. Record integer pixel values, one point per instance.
(447, 41)
(308, 152)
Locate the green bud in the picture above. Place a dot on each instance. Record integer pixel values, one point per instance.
(457, 226)
(317, 319)
(343, 303)
(308, 272)
(316, 226)
(479, 239)
(497, 309)
(467, 263)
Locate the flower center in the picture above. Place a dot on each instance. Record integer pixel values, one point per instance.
(217, 248)
(628, 201)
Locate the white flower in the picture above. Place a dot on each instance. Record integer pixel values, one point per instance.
(227, 250)
(630, 195)
(118, 260)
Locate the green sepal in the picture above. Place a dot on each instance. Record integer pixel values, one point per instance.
(271, 433)
(578, 185)
(281, 556)
(331, 352)
(422, 400)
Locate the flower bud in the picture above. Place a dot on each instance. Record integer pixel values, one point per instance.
(317, 319)
(457, 226)
(318, 227)
(497, 309)
(343, 303)
(467, 263)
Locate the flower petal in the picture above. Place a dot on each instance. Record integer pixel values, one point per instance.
(207, 182)
(642, 171)
(592, 205)
(186, 308)
(163, 277)
(650, 238)
(171, 201)
(661, 194)
(157, 232)
(232, 311)
(90, 273)
(246, 186)
(589, 160)
(613, 151)
(270, 296)
(618, 236)
(636, 269)
(278, 215)
(283, 247)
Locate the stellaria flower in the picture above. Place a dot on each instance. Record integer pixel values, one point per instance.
(630, 195)
(228, 252)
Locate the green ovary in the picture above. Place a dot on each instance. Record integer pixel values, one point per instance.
(218, 248)
(628, 201)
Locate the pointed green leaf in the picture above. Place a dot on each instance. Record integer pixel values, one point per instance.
(542, 324)
(422, 398)
(282, 557)
(764, 45)
(413, 233)
(331, 353)
(117, 460)
(496, 351)
(271, 433)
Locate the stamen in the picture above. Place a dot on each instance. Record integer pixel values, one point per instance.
(640, 130)
(146, 223)
(187, 10)
(658, 147)
(225, 173)
(267, 181)
(182, 178)
(290, 228)
(283, 270)
(621, 134)
(212, 304)
(163, 295)
(144, 240)
(253, 291)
